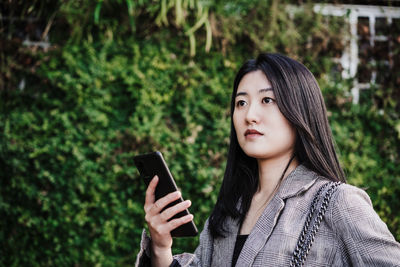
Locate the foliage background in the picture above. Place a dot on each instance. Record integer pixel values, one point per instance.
(123, 77)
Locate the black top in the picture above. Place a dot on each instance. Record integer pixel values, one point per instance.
(240, 240)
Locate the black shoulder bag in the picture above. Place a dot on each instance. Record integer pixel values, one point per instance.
(315, 216)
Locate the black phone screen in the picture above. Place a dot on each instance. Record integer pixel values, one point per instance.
(152, 164)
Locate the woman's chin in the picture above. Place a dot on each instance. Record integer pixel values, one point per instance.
(256, 154)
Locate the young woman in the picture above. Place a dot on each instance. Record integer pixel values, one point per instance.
(281, 154)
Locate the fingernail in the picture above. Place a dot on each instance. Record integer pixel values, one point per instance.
(188, 202)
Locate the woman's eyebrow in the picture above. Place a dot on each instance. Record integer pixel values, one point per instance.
(241, 93)
(265, 90)
(260, 91)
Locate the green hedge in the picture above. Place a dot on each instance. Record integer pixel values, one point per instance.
(124, 83)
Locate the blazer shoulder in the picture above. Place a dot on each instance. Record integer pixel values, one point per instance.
(352, 212)
(364, 238)
(348, 196)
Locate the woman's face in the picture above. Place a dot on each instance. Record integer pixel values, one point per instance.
(262, 130)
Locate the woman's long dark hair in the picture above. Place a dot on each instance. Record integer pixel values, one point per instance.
(299, 98)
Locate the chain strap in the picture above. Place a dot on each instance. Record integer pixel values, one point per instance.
(307, 236)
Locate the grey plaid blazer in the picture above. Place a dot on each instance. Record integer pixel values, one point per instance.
(351, 234)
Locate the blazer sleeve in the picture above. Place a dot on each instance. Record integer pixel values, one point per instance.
(365, 239)
(201, 256)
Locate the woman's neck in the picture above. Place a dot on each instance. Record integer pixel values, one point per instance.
(270, 172)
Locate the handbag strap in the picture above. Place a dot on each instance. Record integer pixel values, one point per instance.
(313, 221)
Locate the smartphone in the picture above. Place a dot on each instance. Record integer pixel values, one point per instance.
(152, 164)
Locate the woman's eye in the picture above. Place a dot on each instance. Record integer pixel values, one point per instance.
(267, 100)
(240, 103)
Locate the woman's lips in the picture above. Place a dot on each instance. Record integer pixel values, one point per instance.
(252, 133)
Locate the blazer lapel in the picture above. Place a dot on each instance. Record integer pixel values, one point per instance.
(295, 183)
(261, 232)
(223, 247)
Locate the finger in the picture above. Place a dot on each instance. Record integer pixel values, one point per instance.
(164, 201)
(150, 198)
(170, 212)
(180, 221)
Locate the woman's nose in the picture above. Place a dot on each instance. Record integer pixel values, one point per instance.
(252, 115)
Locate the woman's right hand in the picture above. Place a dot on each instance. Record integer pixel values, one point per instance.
(158, 222)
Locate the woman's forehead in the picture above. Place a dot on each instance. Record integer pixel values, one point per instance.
(255, 79)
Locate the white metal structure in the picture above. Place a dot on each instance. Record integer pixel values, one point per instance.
(350, 57)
